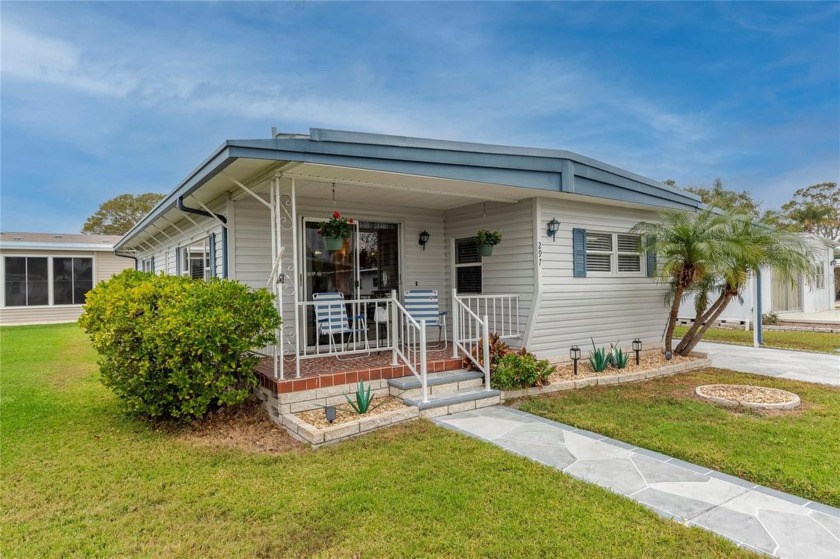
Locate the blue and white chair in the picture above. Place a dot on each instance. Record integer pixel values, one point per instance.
(422, 304)
(331, 318)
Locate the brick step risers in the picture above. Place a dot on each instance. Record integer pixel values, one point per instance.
(328, 380)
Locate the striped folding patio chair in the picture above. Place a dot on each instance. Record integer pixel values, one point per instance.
(422, 304)
(332, 320)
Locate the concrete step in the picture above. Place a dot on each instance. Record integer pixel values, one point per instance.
(454, 402)
(438, 383)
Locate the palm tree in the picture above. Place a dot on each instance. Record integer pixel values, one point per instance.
(751, 246)
(687, 246)
(714, 251)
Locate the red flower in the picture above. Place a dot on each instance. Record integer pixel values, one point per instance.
(350, 221)
(336, 215)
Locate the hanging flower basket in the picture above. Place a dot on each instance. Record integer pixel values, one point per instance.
(487, 240)
(335, 230)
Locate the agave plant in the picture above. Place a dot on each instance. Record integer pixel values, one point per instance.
(599, 358)
(620, 358)
(363, 400)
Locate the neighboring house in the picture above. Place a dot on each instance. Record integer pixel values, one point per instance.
(805, 295)
(45, 276)
(250, 212)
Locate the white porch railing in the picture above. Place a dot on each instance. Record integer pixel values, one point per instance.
(372, 325)
(502, 312)
(409, 343)
(471, 334)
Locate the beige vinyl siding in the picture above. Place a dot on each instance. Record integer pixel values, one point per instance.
(510, 270)
(108, 264)
(609, 309)
(39, 315)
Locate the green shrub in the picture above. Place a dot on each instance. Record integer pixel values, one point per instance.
(172, 347)
(516, 370)
(599, 359)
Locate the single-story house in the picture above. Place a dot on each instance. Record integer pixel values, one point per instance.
(567, 269)
(780, 296)
(45, 276)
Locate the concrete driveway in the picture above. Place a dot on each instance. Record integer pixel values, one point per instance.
(796, 365)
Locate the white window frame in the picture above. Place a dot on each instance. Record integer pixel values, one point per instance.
(614, 254)
(456, 266)
(186, 269)
(820, 280)
(146, 265)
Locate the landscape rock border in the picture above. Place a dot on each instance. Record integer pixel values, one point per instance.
(316, 437)
(792, 402)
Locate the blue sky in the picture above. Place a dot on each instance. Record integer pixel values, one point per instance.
(104, 98)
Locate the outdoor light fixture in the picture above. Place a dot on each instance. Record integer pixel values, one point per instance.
(668, 356)
(553, 226)
(329, 411)
(574, 353)
(637, 347)
(424, 238)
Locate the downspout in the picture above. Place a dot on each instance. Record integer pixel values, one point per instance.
(186, 209)
(136, 262)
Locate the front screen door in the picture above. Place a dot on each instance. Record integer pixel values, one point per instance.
(365, 267)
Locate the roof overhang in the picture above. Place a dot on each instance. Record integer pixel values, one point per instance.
(416, 164)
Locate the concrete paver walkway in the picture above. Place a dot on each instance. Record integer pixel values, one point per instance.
(755, 517)
(795, 365)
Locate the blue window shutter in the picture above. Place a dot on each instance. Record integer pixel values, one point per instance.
(153, 264)
(177, 261)
(224, 253)
(579, 252)
(213, 255)
(651, 264)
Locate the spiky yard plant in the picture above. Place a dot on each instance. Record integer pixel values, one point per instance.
(599, 359)
(364, 398)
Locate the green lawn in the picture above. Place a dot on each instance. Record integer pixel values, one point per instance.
(824, 342)
(80, 479)
(796, 451)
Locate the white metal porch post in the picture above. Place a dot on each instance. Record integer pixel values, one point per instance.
(275, 255)
(456, 311)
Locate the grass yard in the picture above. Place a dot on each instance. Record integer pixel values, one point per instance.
(795, 451)
(824, 342)
(80, 479)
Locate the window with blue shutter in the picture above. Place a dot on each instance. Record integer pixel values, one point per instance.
(651, 264)
(212, 262)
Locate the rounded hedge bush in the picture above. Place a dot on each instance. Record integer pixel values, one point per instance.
(173, 347)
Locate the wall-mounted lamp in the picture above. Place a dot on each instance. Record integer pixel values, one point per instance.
(637, 347)
(553, 226)
(832, 263)
(424, 238)
(574, 353)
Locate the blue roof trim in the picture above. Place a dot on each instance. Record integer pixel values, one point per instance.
(534, 168)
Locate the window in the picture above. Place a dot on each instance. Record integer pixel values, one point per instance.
(467, 265)
(146, 265)
(27, 281)
(195, 260)
(72, 279)
(821, 275)
(613, 253)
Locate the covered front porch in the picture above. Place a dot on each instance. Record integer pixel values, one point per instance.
(352, 309)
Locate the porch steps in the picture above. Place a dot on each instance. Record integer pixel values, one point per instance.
(449, 392)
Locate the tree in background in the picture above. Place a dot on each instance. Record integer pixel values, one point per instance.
(717, 195)
(117, 215)
(815, 209)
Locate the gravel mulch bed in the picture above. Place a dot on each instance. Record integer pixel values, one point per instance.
(345, 414)
(747, 394)
(647, 361)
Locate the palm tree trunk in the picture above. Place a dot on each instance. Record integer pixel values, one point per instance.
(672, 317)
(699, 321)
(699, 336)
